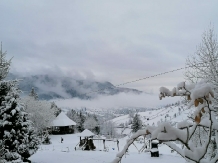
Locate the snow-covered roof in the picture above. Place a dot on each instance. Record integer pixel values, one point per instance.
(86, 133)
(155, 141)
(62, 120)
(154, 150)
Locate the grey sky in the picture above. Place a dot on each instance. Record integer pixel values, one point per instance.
(112, 40)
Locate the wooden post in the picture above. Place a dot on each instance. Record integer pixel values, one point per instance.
(104, 143)
(118, 145)
(144, 139)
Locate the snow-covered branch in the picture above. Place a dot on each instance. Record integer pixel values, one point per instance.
(200, 96)
(130, 141)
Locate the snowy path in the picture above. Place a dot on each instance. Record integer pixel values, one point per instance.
(58, 153)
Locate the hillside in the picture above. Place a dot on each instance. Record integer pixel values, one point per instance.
(173, 114)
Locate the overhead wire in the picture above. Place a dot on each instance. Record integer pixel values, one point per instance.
(140, 79)
(152, 76)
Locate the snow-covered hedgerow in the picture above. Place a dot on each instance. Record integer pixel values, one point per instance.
(200, 96)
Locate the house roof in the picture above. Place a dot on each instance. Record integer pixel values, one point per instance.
(62, 120)
(86, 133)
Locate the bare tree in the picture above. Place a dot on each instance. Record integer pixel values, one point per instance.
(204, 63)
(108, 129)
(90, 123)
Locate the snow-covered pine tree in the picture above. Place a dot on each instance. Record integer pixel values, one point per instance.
(79, 118)
(33, 94)
(56, 108)
(137, 123)
(72, 114)
(97, 127)
(17, 135)
(80, 124)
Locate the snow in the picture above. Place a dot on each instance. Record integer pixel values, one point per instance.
(181, 85)
(155, 141)
(165, 90)
(123, 131)
(164, 131)
(58, 152)
(154, 150)
(151, 117)
(62, 120)
(201, 90)
(86, 133)
(13, 111)
(183, 124)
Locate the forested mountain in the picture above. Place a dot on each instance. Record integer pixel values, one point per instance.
(51, 87)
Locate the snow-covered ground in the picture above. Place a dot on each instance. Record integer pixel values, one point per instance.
(155, 116)
(58, 152)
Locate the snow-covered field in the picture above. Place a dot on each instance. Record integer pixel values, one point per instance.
(58, 152)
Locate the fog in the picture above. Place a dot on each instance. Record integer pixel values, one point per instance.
(116, 101)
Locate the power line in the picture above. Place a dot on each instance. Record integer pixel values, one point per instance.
(137, 80)
(152, 76)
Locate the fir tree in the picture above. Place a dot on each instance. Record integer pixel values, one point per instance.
(72, 114)
(137, 123)
(33, 94)
(56, 108)
(97, 128)
(80, 123)
(16, 131)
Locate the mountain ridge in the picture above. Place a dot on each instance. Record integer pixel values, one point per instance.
(52, 87)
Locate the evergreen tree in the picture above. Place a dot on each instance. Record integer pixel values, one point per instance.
(57, 110)
(80, 123)
(16, 131)
(33, 94)
(97, 127)
(72, 114)
(137, 123)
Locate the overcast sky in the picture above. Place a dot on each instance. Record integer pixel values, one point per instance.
(111, 40)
